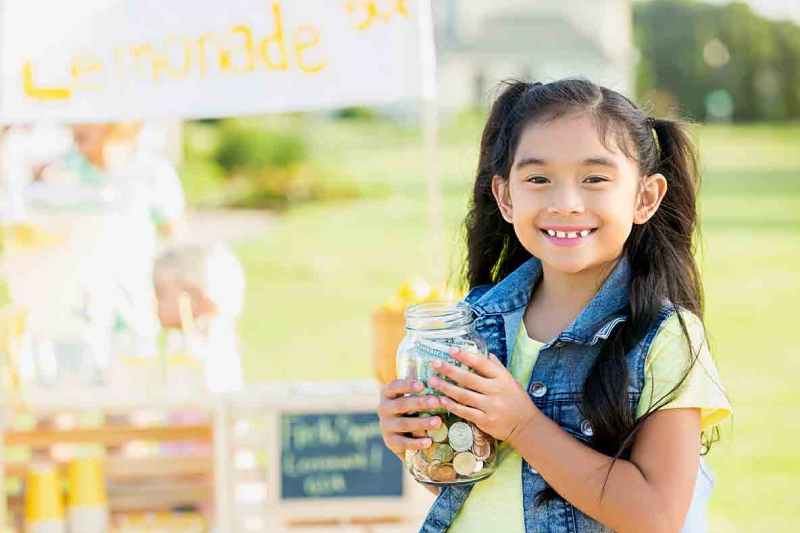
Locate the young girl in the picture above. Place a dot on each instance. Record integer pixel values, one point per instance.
(599, 384)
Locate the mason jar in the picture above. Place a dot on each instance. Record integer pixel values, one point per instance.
(460, 452)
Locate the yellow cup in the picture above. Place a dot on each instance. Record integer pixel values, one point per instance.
(43, 499)
(87, 485)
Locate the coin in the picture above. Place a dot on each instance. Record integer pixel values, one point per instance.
(444, 453)
(438, 434)
(478, 467)
(418, 462)
(464, 463)
(482, 451)
(478, 434)
(460, 436)
(443, 473)
(429, 453)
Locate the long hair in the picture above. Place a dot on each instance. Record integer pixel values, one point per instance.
(660, 252)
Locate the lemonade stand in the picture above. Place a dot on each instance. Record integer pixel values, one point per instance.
(102, 431)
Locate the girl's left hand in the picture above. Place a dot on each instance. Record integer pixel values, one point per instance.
(492, 399)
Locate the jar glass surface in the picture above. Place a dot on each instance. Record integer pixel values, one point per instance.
(460, 453)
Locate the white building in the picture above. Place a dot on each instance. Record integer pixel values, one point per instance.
(480, 42)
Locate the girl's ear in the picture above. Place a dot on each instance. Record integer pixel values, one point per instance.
(651, 191)
(502, 197)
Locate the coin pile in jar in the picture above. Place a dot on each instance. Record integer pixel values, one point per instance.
(460, 451)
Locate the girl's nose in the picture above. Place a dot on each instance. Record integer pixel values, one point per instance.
(565, 200)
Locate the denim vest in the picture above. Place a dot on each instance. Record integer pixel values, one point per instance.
(555, 387)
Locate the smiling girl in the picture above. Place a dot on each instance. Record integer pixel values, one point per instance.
(600, 383)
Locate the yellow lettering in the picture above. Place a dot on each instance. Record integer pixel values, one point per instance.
(41, 93)
(402, 7)
(83, 66)
(138, 53)
(371, 12)
(304, 38)
(163, 64)
(223, 55)
(276, 38)
(248, 47)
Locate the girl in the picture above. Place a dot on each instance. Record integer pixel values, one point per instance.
(599, 383)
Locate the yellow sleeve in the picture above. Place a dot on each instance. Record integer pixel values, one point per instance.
(666, 363)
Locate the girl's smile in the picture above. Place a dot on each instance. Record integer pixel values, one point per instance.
(567, 235)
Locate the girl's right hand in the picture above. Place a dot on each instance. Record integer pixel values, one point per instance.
(395, 426)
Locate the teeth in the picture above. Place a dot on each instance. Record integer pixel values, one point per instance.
(568, 235)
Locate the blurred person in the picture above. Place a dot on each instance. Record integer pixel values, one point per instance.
(200, 295)
(149, 203)
(599, 383)
(24, 151)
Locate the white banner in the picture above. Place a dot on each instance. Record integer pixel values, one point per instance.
(102, 60)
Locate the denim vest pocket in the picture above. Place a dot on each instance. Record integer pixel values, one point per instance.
(567, 414)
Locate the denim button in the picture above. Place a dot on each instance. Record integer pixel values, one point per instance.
(538, 389)
(586, 428)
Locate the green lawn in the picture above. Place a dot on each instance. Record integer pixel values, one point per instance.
(314, 281)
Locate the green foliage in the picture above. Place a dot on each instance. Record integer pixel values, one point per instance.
(356, 113)
(259, 163)
(252, 147)
(691, 50)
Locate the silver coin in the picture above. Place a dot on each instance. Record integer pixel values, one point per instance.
(460, 436)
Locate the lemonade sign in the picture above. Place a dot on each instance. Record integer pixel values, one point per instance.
(119, 59)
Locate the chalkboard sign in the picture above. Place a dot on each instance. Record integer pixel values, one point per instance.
(336, 455)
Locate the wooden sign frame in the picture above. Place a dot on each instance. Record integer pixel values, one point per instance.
(318, 510)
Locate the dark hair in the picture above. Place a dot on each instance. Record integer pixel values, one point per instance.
(660, 252)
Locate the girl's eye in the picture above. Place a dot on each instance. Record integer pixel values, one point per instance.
(595, 179)
(539, 180)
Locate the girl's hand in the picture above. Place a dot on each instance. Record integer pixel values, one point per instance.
(394, 425)
(492, 399)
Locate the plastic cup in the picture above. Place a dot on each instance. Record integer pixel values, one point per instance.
(44, 506)
(87, 500)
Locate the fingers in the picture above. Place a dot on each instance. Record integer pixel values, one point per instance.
(399, 387)
(462, 376)
(486, 367)
(469, 413)
(401, 443)
(459, 394)
(407, 424)
(406, 404)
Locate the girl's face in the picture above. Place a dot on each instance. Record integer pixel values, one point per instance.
(573, 201)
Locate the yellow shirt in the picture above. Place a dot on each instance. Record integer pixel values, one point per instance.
(495, 504)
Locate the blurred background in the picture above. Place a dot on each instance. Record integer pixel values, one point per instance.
(327, 211)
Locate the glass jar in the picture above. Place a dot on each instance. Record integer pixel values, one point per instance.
(460, 452)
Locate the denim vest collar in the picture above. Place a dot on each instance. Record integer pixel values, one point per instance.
(595, 322)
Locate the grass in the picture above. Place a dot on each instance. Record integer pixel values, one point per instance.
(315, 280)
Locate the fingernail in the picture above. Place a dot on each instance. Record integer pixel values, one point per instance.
(433, 380)
(427, 442)
(444, 400)
(432, 402)
(417, 385)
(434, 422)
(453, 350)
